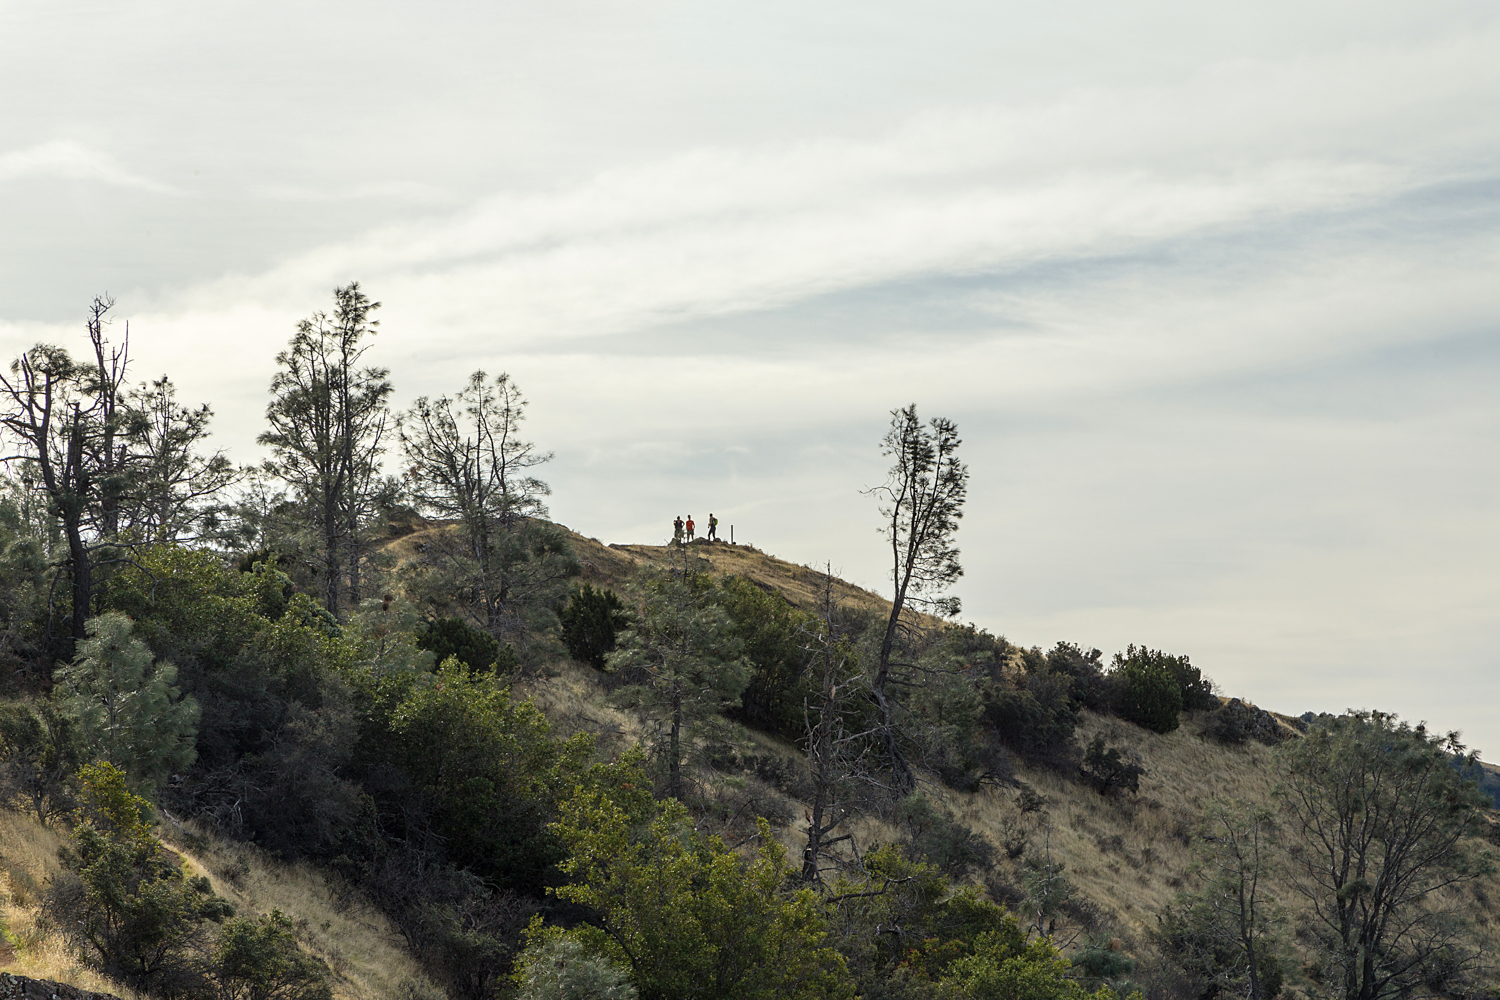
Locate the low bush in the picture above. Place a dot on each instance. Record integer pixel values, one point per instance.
(1037, 717)
(454, 637)
(260, 960)
(1235, 722)
(590, 621)
(1110, 769)
(1146, 692)
(125, 900)
(1090, 686)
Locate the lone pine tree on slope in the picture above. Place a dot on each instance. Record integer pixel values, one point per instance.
(921, 502)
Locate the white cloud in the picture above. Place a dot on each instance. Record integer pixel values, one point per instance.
(73, 161)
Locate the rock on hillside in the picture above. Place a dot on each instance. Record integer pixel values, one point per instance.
(26, 988)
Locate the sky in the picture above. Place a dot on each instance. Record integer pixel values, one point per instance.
(1210, 290)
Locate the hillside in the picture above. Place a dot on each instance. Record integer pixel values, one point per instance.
(1127, 855)
(613, 565)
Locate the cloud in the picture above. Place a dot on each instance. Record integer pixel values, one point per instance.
(1244, 147)
(73, 161)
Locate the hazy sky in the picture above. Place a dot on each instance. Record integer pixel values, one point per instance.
(1212, 293)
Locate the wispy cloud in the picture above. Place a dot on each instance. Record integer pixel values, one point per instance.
(722, 230)
(73, 161)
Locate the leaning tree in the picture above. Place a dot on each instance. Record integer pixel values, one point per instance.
(921, 502)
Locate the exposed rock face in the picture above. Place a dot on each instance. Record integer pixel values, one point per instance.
(26, 988)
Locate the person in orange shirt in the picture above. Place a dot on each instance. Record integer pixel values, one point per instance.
(690, 527)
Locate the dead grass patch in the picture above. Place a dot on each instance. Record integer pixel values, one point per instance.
(366, 954)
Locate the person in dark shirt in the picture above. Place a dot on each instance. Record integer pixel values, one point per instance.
(677, 531)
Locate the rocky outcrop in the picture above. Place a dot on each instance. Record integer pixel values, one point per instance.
(26, 988)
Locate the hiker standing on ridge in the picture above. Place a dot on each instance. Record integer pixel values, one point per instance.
(690, 527)
(713, 528)
(677, 531)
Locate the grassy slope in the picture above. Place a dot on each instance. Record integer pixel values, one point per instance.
(368, 958)
(1128, 856)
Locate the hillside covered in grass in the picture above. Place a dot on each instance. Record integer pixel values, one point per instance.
(312, 731)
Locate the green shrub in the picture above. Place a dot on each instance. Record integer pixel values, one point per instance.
(772, 633)
(260, 960)
(1146, 692)
(39, 756)
(692, 917)
(475, 648)
(558, 968)
(123, 898)
(590, 621)
(1109, 768)
(126, 706)
(948, 845)
(1037, 717)
(1195, 690)
(1090, 687)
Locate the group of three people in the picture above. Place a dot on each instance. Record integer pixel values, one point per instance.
(680, 526)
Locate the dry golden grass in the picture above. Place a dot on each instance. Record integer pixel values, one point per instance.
(1128, 855)
(573, 697)
(368, 958)
(28, 855)
(614, 566)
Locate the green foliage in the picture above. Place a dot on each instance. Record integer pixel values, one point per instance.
(556, 967)
(260, 960)
(127, 708)
(683, 648)
(1385, 821)
(1090, 687)
(1222, 932)
(483, 771)
(456, 638)
(1038, 716)
(386, 635)
(1109, 769)
(1104, 960)
(996, 971)
(39, 755)
(590, 622)
(1141, 692)
(772, 633)
(1147, 691)
(123, 898)
(689, 916)
(948, 845)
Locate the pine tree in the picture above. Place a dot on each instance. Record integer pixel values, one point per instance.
(328, 420)
(127, 707)
(921, 503)
(682, 645)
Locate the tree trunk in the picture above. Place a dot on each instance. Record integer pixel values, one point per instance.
(674, 765)
(331, 553)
